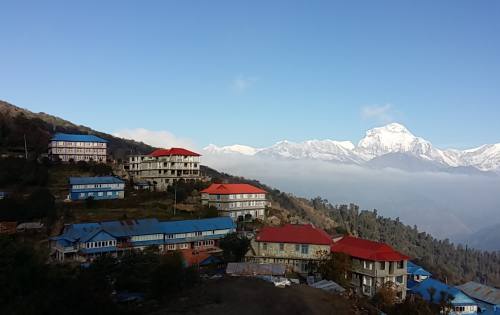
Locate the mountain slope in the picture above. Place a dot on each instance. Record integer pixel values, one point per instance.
(378, 142)
(16, 122)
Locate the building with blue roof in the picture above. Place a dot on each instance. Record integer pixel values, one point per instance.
(76, 147)
(460, 304)
(98, 188)
(487, 298)
(85, 241)
(416, 274)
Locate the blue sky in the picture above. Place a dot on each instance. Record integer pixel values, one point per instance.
(256, 72)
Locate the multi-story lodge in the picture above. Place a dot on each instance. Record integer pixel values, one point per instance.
(298, 247)
(85, 241)
(72, 147)
(163, 167)
(239, 201)
(98, 188)
(372, 265)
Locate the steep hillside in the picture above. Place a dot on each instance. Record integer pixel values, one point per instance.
(16, 123)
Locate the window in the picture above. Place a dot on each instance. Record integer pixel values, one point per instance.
(382, 265)
(367, 265)
(264, 246)
(399, 279)
(401, 264)
(100, 194)
(109, 193)
(282, 247)
(305, 249)
(297, 247)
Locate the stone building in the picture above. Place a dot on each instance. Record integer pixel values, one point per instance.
(298, 247)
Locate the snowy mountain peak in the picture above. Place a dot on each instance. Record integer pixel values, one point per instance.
(231, 149)
(393, 139)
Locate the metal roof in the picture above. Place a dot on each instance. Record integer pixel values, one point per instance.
(95, 180)
(184, 226)
(254, 269)
(416, 270)
(84, 232)
(481, 292)
(457, 297)
(365, 249)
(295, 234)
(77, 138)
(228, 189)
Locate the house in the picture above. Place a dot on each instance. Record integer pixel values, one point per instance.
(416, 274)
(163, 167)
(435, 291)
(142, 185)
(238, 201)
(98, 188)
(486, 297)
(75, 147)
(3, 195)
(84, 241)
(373, 264)
(299, 247)
(202, 259)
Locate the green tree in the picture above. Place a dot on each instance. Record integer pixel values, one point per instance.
(234, 247)
(335, 267)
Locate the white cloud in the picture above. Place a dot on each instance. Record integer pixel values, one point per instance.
(380, 113)
(241, 83)
(160, 138)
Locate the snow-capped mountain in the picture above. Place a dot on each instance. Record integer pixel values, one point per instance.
(378, 142)
(231, 149)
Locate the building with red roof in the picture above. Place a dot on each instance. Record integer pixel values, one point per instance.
(373, 264)
(298, 246)
(163, 167)
(239, 201)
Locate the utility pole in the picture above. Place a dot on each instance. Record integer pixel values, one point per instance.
(25, 148)
(175, 197)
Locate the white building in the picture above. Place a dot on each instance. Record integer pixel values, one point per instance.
(238, 201)
(163, 167)
(66, 147)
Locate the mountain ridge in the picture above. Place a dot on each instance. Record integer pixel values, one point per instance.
(380, 141)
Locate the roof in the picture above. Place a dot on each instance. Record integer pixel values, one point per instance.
(84, 232)
(416, 270)
(173, 151)
(294, 233)
(95, 180)
(254, 269)
(77, 138)
(481, 292)
(227, 189)
(457, 297)
(329, 286)
(365, 249)
(201, 258)
(183, 226)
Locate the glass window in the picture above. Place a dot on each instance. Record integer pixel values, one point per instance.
(282, 247)
(264, 246)
(305, 249)
(297, 247)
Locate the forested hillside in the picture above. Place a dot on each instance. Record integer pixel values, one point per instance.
(16, 123)
(448, 262)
